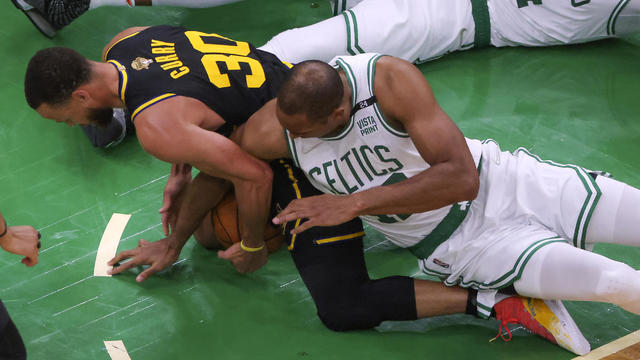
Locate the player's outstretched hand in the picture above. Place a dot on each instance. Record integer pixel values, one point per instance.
(158, 254)
(22, 240)
(244, 261)
(320, 210)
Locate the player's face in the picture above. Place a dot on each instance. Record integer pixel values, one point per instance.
(72, 113)
(300, 125)
(100, 116)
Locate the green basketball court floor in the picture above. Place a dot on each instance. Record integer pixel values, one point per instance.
(577, 104)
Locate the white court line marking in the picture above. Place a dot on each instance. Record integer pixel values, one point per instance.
(73, 307)
(143, 185)
(116, 350)
(115, 312)
(57, 291)
(137, 311)
(612, 347)
(66, 218)
(109, 243)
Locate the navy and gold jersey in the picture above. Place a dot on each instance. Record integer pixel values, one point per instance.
(232, 77)
(289, 184)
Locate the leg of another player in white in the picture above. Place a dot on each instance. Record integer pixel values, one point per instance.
(561, 271)
(419, 31)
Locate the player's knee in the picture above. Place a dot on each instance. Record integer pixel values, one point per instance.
(618, 285)
(354, 310)
(348, 317)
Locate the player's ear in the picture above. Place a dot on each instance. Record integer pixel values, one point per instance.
(80, 95)
(339, 114)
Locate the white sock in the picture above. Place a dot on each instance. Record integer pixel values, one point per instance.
(97, 3)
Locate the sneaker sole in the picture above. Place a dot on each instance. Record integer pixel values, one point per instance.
(563, 328)
(36, 18)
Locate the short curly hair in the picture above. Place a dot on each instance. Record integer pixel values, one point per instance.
(312, 88)
(53, 74)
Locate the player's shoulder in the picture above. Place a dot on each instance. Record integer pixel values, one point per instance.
(393, 72)
(123, 34)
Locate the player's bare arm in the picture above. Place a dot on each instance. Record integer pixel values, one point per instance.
(407, 101)
(175, 130)
(262, 135)
(179, 178)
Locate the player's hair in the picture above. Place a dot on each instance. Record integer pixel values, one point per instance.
(53, 74)
(312, 88)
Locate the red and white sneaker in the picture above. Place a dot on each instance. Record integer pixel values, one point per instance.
(547, 318)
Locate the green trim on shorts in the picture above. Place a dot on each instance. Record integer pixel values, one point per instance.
(443, 230)
(590, 202)
(515, 273)
(483, 311)
(339, 6)
(352, 28)
(480, 12)
(611, 23)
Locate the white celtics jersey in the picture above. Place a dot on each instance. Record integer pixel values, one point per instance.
(367, 153)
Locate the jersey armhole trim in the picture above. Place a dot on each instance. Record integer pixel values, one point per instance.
(106, 53)
(371, 73)
(155, 100)
(124, 78)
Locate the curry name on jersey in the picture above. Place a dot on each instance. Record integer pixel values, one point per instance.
(231, 77)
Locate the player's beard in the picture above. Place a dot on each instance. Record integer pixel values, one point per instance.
(100, 117)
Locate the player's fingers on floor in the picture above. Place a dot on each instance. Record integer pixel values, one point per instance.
(121, 256)
(123, 267)
(145, 274)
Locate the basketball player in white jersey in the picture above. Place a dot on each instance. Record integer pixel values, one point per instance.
(371, 136)
(422, 30)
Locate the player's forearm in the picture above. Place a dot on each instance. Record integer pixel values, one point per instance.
(200, 196)
(254, 199)
(441, 185)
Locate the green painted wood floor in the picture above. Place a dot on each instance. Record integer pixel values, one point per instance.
(575, 104)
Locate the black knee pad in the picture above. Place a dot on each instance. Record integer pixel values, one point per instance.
(365, 306)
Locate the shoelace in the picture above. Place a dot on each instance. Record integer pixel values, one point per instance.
(503, 324)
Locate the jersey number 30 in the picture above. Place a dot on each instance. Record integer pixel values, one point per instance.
(231, 55)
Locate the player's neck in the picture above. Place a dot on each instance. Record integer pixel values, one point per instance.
(106, 81)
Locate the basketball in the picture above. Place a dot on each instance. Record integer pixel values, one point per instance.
(225, 225)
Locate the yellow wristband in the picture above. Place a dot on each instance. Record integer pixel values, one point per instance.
(250, 249)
